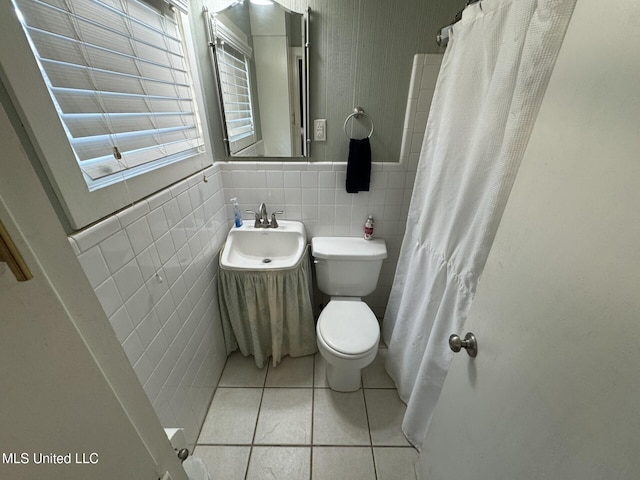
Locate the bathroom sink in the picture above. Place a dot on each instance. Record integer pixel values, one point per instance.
(250, 248)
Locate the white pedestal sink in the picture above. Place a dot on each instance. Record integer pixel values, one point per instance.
(250, 248)
(264, 292)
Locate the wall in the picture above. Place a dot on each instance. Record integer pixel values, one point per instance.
(153, 267)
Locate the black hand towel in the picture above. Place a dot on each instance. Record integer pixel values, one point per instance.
(359, 165)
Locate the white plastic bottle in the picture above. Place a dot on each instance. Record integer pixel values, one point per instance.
(368, 228)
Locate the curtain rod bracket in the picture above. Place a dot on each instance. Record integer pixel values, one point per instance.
(442, 38)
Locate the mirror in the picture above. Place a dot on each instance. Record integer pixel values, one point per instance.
(259, 51)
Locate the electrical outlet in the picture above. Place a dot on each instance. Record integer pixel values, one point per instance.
(320, 130)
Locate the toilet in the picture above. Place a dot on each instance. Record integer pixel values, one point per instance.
(348, 333)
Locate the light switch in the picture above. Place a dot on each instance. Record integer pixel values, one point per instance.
(320, 130)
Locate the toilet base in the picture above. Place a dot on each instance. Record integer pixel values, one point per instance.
(343, 379)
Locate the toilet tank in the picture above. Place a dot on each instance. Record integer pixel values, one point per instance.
(347, 266)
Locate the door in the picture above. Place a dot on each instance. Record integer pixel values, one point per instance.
(71, 406)
(555, 389)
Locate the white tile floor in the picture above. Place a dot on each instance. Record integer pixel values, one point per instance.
(284, 423)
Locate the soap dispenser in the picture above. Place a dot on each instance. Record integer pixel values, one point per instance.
(237, 217)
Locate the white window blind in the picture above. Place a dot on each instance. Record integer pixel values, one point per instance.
(232, 53)
(117, 73)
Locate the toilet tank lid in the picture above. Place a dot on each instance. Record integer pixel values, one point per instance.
(343, 248)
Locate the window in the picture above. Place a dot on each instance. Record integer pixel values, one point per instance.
(232, 54)
(117, 72)
(120, 82)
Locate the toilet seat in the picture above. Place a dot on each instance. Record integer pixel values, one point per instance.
(349, 327)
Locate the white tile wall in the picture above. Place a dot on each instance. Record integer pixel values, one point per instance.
(421, 89)
(153, 267)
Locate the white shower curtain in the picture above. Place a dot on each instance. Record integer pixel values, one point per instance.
(491, 83)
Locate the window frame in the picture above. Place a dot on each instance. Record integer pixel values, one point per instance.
(23, 80)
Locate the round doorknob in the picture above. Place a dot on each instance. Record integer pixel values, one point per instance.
(183, 454)
(469, 343)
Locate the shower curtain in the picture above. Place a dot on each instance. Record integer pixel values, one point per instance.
(491, 83)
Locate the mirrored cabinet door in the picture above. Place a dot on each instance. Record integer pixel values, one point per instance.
(259, 51)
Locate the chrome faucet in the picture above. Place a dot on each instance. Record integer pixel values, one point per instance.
(262, 217)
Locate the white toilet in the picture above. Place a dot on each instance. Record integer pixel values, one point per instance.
(347, 268)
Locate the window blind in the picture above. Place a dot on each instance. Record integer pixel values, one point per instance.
(234, 82)
(232, 52)
(119, 79)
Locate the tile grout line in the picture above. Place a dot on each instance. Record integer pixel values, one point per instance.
(304, 445)
(209, 406)
(255, 428)
(313, 405)
(366, 411)
(293, 387)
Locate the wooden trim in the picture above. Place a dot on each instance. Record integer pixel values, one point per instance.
(10, 254)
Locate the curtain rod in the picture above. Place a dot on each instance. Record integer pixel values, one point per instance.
(442, 38)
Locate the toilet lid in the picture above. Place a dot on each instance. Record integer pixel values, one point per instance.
(349, 327)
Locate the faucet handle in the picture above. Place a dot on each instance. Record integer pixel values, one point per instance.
(274, 222)
(256, 224)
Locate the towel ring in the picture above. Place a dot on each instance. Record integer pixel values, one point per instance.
(357, 113)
